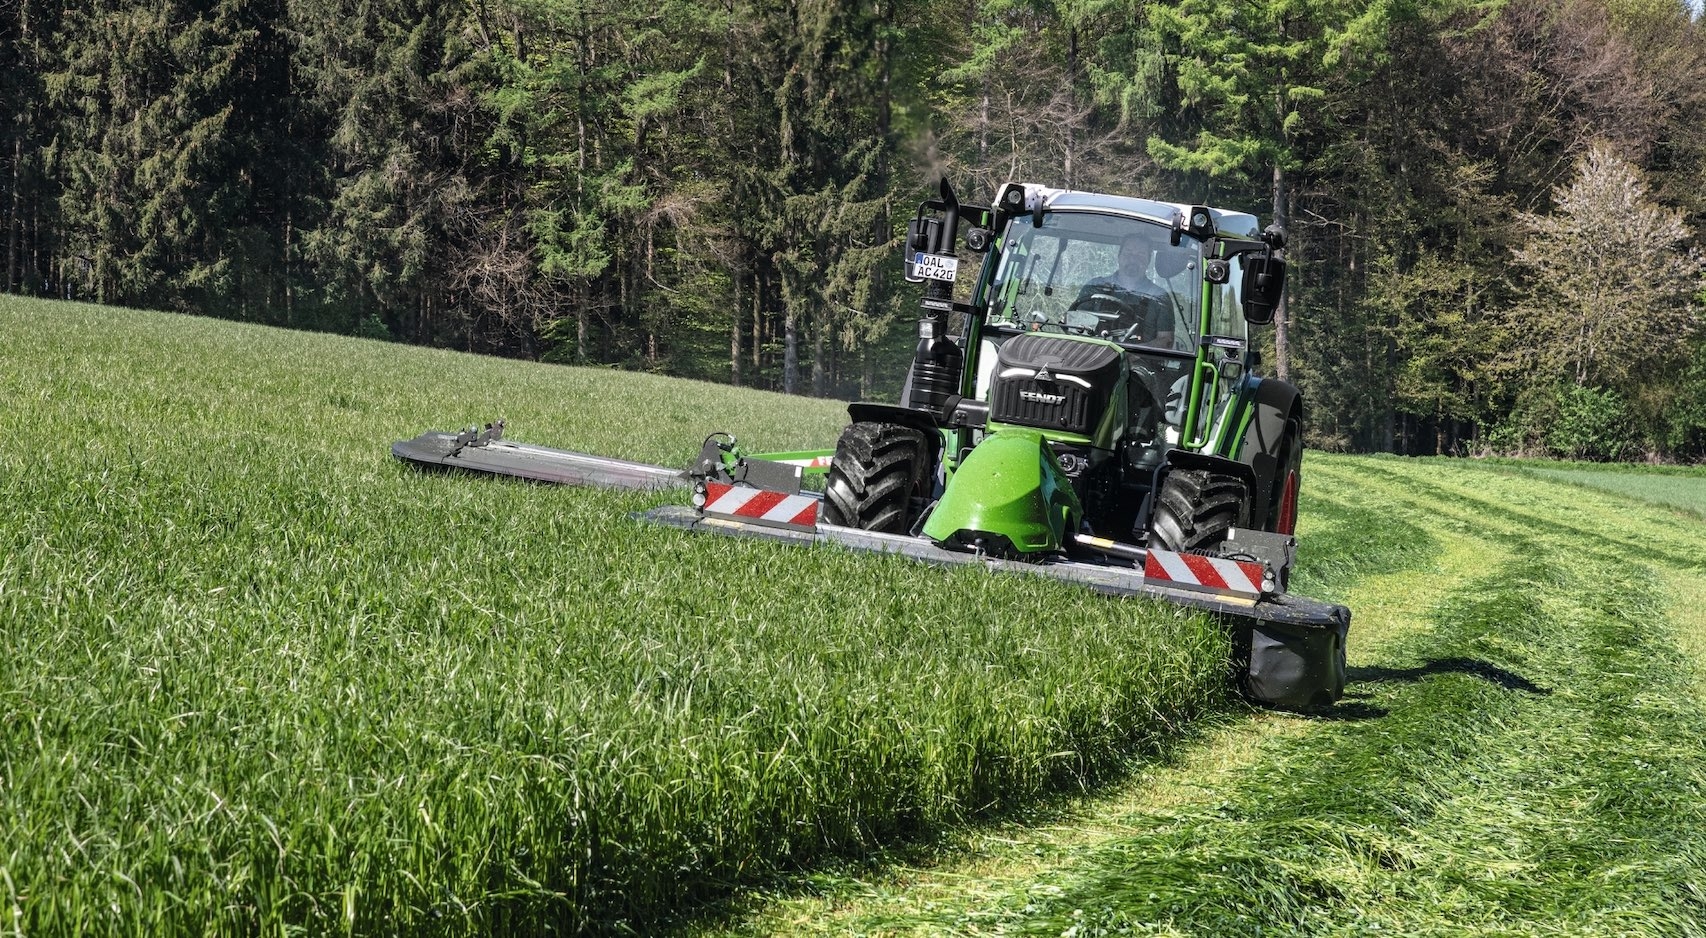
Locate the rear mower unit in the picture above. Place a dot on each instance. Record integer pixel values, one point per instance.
(1084, 406)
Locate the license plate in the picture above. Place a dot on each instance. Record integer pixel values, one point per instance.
(935, 266)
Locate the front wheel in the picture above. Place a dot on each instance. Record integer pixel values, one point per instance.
(879, 478)
(1195, 508)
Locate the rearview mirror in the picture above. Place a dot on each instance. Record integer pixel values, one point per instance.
(1264, 286)
(920, 232)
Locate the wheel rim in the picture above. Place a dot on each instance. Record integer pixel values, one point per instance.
(1288, 505)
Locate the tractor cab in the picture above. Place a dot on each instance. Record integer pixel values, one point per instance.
(1089, 374)
(1119, 279)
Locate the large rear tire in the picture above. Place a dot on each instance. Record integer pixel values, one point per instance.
(1195, 509)
(879, 478)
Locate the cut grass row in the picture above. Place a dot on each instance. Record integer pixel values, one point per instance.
(1520, 754)
(257, 677)
(972, 878)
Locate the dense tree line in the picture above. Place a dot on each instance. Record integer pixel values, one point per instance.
(1495, 208)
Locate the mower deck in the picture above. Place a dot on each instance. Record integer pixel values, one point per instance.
(1288, 650)
(1111, 579)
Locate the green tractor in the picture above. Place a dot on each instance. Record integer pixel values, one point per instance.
(1099, 395)
(1096, 419)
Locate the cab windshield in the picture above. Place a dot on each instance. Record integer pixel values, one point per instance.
(1103, 275)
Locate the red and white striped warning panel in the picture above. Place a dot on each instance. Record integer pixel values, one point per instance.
(1209, 574)
(745, 503)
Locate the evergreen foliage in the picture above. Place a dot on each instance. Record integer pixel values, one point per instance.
(716, 190)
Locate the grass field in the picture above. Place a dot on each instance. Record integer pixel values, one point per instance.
(258, 677)
(1681, 491)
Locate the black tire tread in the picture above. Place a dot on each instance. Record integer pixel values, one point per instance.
(877, 471)
(1194, 509)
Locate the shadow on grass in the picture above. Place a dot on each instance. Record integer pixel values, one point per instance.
(1352, 708)
(1487, 671)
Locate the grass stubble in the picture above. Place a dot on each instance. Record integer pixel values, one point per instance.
(1682, 488)
(256, 677)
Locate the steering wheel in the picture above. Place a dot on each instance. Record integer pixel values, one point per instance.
(1108, 301)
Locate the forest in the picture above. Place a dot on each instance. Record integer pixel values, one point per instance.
(1496, 208)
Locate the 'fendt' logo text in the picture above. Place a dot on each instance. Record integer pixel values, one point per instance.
(1039, 397)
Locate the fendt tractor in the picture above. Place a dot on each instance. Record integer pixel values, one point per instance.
(1082, 404)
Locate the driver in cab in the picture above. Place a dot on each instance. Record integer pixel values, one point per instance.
(1146, 307)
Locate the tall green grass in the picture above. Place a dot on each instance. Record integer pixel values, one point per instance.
(257, 677)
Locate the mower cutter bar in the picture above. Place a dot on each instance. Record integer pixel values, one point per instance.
(1284, 608)
(539, 463)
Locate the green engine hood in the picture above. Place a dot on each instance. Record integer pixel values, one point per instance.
(1009, 492)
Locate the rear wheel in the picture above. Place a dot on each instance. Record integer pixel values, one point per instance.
(1195, 508)
(879, 478)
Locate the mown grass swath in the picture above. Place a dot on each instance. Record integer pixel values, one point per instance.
(1526, 763)
(256, 676)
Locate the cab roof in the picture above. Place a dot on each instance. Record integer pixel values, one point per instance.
(1234, 224)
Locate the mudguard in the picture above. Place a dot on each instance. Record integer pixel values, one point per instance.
(920, 420)
(1274, 424)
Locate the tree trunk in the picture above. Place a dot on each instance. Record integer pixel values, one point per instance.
(289, 283)
(983, 127)
(1072, 99)
(12, 219)
(651, 323)
(1282, 314)
(817, 360)
(580, 330)
(790, 354)
(734, 336)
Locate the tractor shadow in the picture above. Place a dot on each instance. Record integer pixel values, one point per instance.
(1354, 707)
(1357, 706)
(1474, 667)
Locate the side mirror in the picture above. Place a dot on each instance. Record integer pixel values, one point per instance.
(920, 232)
(1264, 286)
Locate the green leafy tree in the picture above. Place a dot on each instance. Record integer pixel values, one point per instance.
(173, 155)
(405, 193)
(1612, 281)
(25, 130)
(1610, 302)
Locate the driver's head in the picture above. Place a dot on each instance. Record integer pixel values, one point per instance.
(1134, 253)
